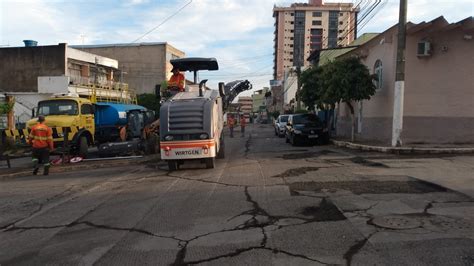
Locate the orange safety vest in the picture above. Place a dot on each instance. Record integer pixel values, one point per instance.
(41, 136)
(231, 122)
(177, 81)
(243, 122)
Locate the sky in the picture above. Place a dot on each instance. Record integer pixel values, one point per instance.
(238, 33)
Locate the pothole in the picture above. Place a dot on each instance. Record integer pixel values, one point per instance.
(297, 171)
(369, 187)
(304, 155)
(326, 211)
(364, 162)
(395, 222)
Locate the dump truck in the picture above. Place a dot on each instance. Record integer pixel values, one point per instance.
(191, 122)
(111, 126)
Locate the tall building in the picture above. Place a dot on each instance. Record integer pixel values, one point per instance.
(245, 103)
(304, 27)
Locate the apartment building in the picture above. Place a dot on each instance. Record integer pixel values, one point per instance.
(245, 103)
(304, 27)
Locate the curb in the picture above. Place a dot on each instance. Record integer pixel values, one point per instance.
(402, 150)
(76, 167)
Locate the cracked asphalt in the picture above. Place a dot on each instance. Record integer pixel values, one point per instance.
(266, 203)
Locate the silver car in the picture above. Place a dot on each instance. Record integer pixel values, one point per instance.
(280, 125)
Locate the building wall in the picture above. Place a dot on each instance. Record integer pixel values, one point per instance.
(23, 65)
(439, 92)
(146, 65)
(439, 98)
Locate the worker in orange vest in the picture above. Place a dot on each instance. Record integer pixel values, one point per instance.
(41, 138)
(243, 123)
(231, 124)
(176, 82)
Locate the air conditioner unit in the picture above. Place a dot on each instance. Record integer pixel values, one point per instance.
(424, 49)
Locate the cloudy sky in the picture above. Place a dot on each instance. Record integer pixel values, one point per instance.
(239, 33)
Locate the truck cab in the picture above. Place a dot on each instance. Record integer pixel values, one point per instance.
(69, 115)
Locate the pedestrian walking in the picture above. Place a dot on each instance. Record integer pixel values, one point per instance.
(41, 139)
(231, 124)
(243, 123)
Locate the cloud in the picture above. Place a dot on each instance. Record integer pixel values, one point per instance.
(238, 33)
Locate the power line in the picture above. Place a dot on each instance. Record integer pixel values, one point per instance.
(163, 22)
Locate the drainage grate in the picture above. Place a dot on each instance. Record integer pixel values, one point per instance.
(369, 187)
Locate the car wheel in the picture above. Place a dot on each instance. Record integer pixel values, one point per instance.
(210, 163)
(221, 153)
(172, 165)
(294, 140)
(83, 147)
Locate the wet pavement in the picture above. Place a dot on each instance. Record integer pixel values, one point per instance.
(266, 203)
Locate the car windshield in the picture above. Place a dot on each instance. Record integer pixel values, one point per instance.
(308, 119)
(284, 118)
(57, 107)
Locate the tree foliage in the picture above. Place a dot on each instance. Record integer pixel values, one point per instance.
(5, 108)
(344, 80)
(150, 101)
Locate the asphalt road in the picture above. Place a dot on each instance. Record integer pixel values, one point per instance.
(267, 203)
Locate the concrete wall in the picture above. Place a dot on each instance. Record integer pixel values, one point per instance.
(439, 94)
(21, 66)
(439, 90)
(146, 65)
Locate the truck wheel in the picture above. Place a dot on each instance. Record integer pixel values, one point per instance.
(83, 147)
(210, 163)
(221, 153)
(172, 165)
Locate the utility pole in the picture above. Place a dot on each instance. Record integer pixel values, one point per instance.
(399, 91)
(298, 83)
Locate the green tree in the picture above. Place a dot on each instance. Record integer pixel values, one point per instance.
(347, 81)
(150, 101)
(310, 93)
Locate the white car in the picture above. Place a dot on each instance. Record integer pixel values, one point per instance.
(280, 125)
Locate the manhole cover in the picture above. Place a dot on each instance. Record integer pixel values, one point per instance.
(396, 222)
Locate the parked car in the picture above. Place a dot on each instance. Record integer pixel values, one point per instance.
(280, 125)
(302, 128)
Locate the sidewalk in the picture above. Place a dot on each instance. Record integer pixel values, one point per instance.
(411, 149)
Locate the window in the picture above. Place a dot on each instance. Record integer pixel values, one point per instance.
(292, 14)
(316, 22)
(378, 71)
(340, 31)
(340, 22)
(341, 14)
(57, 107)
(292, 22)
(317, 14)
(292, 31)
(86, 109)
